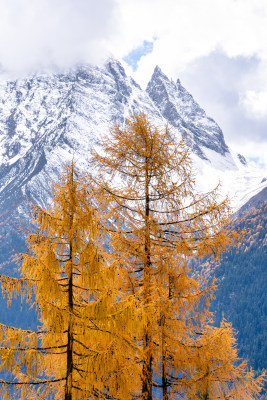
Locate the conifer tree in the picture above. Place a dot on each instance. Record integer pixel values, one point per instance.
(218, 373)
(82, 349)
(157, 220)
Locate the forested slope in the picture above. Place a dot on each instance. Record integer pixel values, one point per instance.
(241, 294)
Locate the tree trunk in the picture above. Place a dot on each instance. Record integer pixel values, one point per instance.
(69, 383)
(68, 387)
(164, 360)
(147, 345)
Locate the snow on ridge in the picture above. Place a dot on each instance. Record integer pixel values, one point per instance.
(46, 120)
(180, 109)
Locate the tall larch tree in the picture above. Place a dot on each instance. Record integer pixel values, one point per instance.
(83, 348)
(157, 220)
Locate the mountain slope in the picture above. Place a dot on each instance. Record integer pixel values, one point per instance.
(45, 120)
(242, 281)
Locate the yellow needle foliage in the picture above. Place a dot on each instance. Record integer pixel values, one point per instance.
(146, 185)
(217, 372)
(84, 348)
(131, 321)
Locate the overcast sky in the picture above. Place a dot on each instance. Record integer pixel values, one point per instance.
(218, 49)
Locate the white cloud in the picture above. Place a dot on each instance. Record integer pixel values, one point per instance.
(253, 152)
(189, 29)
(37, 34)
(255, 103)
(61, 32)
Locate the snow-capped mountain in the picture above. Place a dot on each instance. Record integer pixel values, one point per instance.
(48, 119)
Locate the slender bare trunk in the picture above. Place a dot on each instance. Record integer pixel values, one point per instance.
(164, 360)
(68, 388)
(147, 341)
(69, 383)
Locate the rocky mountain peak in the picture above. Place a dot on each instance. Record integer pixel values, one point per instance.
(115, 67)
(180, 109)
(158, 74)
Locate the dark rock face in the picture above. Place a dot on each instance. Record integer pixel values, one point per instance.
(179, 108)
(242, 159)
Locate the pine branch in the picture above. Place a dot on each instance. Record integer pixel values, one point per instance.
(32, 383)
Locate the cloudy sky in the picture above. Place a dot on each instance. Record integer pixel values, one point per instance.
(218, 49)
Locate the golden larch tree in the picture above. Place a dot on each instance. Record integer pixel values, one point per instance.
(157, 220)
(84, 347)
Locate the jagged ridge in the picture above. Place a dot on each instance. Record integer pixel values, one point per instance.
(47, 119)
(180, 109)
